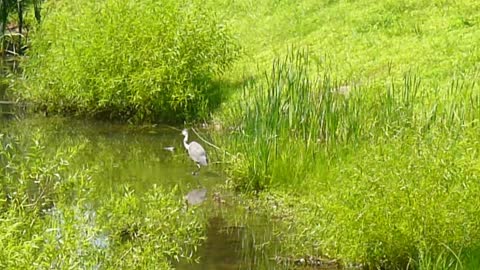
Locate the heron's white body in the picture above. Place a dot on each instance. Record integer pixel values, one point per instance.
(195, 150)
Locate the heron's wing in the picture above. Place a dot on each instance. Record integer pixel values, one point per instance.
(197, 153)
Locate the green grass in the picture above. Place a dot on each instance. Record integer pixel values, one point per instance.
(404, 203)
(385, 176)
(294, 119)
(363, 40)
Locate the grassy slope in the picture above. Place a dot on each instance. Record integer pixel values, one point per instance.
(392, 201)
(365, 39)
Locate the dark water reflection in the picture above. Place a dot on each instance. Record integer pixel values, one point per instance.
(239, 247)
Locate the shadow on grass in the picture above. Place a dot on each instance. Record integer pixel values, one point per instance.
(471, 258)
(219, 93)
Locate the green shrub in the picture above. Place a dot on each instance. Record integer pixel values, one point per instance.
(141, 60)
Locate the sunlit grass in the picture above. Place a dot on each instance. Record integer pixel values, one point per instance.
(362, 40)
(386, 176)
(296, 118)
(407, 202)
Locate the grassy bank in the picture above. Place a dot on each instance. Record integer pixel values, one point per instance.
(367, 138)
(129, 69)
(386, 176)
(298, 117)
(362, 40)
(51, 217)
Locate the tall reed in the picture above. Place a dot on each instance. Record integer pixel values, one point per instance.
(297, 119)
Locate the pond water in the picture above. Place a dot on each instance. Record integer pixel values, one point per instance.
(136, 155)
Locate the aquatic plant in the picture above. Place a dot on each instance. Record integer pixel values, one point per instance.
(51, 217)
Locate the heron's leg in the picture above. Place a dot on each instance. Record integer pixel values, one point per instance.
(197, 171)
(198, 182)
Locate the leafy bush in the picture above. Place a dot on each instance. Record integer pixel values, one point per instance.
(141, 60)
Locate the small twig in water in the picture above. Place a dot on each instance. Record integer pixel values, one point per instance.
(209, 143)
(124, 255)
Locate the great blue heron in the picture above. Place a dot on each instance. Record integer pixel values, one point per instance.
(195, 151)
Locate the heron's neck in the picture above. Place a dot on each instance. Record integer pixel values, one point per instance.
(185, 141)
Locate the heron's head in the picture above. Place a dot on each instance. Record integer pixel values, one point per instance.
(184, 132)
